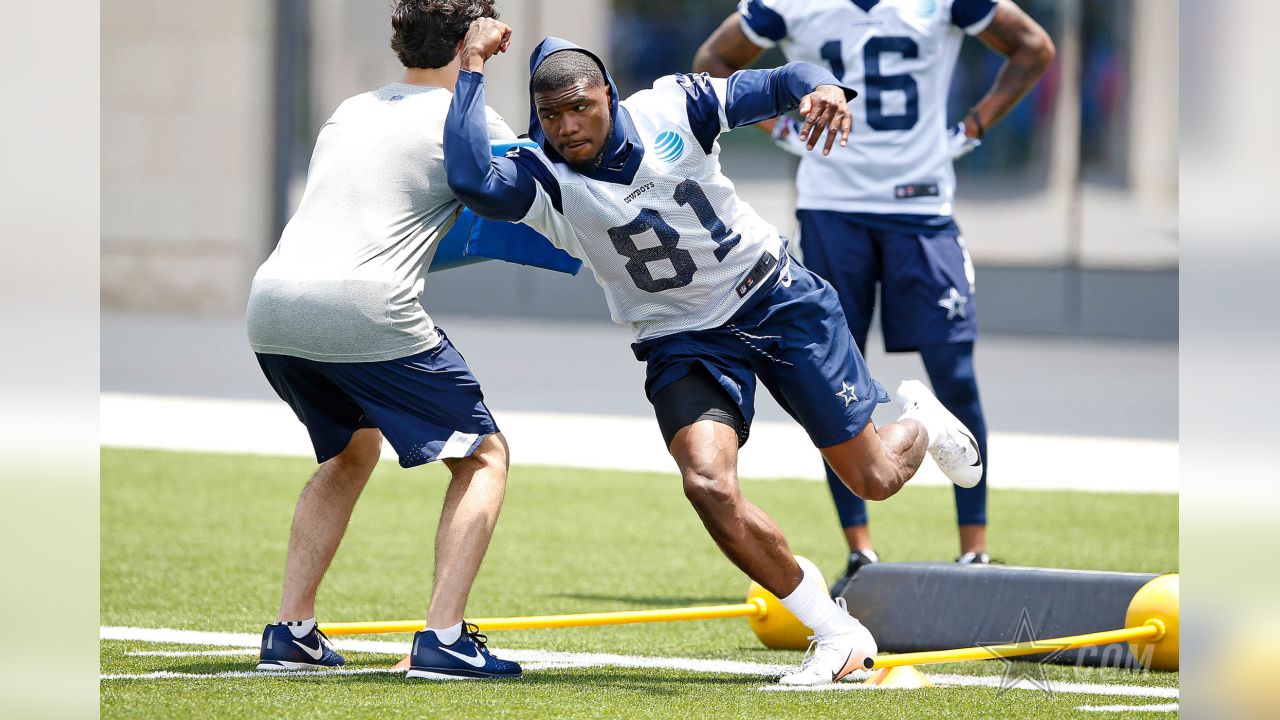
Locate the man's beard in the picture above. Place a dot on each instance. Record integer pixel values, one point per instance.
(591, 165)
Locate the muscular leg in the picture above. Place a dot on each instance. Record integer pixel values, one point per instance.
(320, 520)
(875, 464)
(707, 454)
(851, 510)
(470, 512)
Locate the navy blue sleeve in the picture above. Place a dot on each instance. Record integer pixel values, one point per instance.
(497, 188)
(703, 107)
(762, 20)
(967, 12)
(756, 95)
(527, 161)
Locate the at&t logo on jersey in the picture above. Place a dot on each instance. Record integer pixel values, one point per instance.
(669, 147)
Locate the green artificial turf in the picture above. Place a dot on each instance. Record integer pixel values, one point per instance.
(197, 541)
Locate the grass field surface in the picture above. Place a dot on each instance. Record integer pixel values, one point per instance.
(197, 542)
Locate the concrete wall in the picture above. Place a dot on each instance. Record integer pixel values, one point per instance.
(186, 158)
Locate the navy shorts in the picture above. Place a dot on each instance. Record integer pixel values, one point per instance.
(925, 276)
(791, 335)
(428, 406)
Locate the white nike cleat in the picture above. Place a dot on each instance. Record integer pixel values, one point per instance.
(832, 657)
(951, 444)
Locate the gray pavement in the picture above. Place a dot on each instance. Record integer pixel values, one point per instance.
(1056, 385)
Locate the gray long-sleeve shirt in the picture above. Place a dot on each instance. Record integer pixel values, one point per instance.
(345, 281)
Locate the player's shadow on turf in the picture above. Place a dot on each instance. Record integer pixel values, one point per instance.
(655, 600)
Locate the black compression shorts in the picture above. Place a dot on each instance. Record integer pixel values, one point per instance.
(695, 397)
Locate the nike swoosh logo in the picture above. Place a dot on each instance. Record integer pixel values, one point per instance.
(473, 660)
(315, 654)
(837, 674)
(976, 453)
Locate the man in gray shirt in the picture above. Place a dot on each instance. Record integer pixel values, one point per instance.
(336, 320)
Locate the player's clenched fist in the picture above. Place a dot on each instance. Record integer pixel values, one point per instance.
(485, 37)
(825, 109)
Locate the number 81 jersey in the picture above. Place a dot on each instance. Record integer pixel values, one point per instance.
(667, 237)
(899, 55)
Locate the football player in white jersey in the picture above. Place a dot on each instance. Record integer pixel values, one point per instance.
(880, 210)
(634, 188)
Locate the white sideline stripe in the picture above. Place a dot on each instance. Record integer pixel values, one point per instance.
(191, 653)
(1060, 687)
(699, 665)
(777, 449)
(542, 659)
(234, 674)
(387, 647)
(951, 680)
(835, 687)
(179, 637)
(1167, 707)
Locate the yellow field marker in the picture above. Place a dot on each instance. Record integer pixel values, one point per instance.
(752, 609)
(1152, 634)
(1153, 630)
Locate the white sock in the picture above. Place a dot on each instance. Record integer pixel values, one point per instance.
(811, 604)
(299, 628)
(449, 635)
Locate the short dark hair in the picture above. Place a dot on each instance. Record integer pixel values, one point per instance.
(565, 68)
(427, 32)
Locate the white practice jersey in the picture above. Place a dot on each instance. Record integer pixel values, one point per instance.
(675, 247)
(899, 55)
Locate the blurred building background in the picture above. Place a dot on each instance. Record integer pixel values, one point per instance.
(210, 110)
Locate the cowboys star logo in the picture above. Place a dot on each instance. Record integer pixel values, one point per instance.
(955, 304)
(846, 393)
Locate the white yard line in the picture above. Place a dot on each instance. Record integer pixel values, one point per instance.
(776, 450)
(388, 647)
(1065, 687)
(1167, 707)
(543, 659)
(193, 653)
(241, 674)
(988, 681)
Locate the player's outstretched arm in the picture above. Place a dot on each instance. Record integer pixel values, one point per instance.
(494, 187)
(1029, 51)
(755, 95)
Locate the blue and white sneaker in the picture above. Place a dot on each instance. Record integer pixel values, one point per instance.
(282, 651)
(466, 659)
